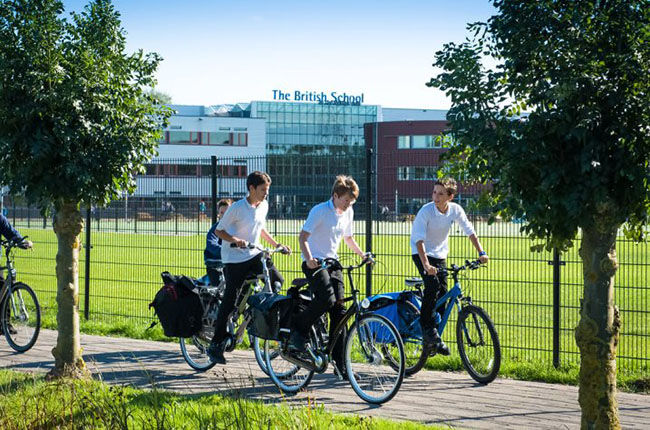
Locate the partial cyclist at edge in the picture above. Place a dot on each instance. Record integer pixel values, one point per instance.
(212, 252)
(243, 222)
(327, 223)
(11, 234)
(429, 249)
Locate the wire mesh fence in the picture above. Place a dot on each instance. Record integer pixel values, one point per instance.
(162, 227)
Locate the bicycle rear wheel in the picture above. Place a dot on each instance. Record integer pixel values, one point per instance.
(287, 376)
(21, 317)
(478, 344)
(194, 350)
(374, 358)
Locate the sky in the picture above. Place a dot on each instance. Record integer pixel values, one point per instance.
(218, 51)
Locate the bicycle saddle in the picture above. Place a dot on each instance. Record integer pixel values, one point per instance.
(413, 282)
(299, 282)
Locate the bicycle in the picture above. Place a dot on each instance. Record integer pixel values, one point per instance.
(194, 349)
(374, 353)
(20, 312)
(480, 356)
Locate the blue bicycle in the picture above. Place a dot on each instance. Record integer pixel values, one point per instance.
(476, 337)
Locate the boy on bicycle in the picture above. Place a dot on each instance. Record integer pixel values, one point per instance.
(212, 252)
(429, 249)
(243, 222)
(327, 223)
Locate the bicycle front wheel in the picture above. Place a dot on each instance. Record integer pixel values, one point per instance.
(374, 358)
(194, 350)
(478, 344)
(415, 353)
(21, 317)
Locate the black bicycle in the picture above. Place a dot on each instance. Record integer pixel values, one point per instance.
(374, 354)
(20, 312)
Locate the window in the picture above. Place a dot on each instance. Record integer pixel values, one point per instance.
(416, 173)
(184, 138)
(418, 142)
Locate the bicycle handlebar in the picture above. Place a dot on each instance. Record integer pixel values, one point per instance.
(270, 251)
(333, 262)
(10, 243)
(454, 269)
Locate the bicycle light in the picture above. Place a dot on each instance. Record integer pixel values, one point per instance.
(365, 303)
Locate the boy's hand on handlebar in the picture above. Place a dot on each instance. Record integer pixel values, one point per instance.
(368, 258)
(430, 270)
(238, 243)
(25, 244)
(284, 249)
(483, 259)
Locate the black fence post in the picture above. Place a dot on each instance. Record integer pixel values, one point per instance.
(556, 263)
(87, 278)
(369, 172)
(213, 187)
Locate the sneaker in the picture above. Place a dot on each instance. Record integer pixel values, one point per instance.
(297, 341)
(442, 348)
(432, 340)
(342, 374)
(215, 352)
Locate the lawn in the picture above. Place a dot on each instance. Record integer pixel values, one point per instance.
(515, 288)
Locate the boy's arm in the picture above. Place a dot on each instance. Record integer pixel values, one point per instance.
(482, 255)
(311, 262)
(274, 243)
(354, 246)
(422, 253)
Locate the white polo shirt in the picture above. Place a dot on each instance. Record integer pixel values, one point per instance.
(326, 228)
(432, 226)
(245, 222)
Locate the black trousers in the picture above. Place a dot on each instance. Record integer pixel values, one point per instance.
(327, 289)
(434, 288)
(236, 274)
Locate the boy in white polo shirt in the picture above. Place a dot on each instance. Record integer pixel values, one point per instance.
(243, 222)
(429, 249)
(328, 222)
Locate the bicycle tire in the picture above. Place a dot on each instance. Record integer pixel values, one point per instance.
(363, 337)
(415, 354)
(287, 376)
(24, 323)
(194, 352)
(482, 364)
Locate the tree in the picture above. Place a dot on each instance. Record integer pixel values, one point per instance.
(76, 126)
(578, 164)
(160, 96)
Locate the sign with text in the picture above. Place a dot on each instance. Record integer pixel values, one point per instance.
(318, 97)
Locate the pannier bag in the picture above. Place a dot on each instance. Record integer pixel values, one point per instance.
(177, 306)
(270, 313)
(394, 307)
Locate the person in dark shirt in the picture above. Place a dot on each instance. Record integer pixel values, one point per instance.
(212, 252)
(11, 234)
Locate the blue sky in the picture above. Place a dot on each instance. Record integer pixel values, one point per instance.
(237, 51)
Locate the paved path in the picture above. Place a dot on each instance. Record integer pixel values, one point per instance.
(452, 399)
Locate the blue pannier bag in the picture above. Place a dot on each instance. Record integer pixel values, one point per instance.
(394, 307)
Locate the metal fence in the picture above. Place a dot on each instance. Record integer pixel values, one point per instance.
(533, 298)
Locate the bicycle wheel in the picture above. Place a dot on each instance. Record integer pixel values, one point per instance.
(478, 344)
(194, 350)
(415, 355)
(374, 358)
(287, 376)
(21, 317)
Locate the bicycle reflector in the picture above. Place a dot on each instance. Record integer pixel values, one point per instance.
(365, 303)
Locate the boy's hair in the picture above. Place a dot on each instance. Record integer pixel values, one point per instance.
(256, 179)
(224, 202)
(344, 184)
(449, 184)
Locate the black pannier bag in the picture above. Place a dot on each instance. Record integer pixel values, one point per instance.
(271, 313)
(178, 307)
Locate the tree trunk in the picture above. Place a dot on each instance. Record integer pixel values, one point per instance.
(68, 224)
(597, 331)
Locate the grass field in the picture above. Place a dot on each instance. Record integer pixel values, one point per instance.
(515, 287)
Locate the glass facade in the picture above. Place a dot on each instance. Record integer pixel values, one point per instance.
(308, 145)
(314, 129)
